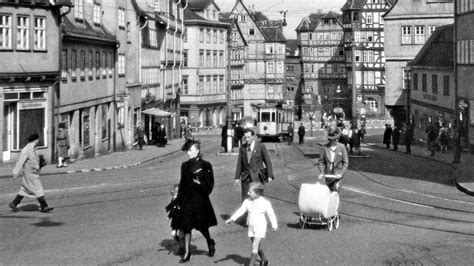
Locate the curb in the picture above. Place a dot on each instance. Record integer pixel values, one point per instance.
(100, 169)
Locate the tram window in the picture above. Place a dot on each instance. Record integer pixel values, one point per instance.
(265, 117)
(273, 116)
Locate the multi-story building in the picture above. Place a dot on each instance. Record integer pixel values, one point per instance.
(264, 61)
(204, 101)
(88, 79)
(292, 73)
(365, 60)
(464, 69)
(408, 24)
(432, 90)
(29, 52)
(324, 77)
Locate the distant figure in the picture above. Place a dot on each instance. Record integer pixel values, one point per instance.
(28, 168)
(291, 132)
(154, 133)
(188, 135)
(239, 134)
(387, 135)
(140, 136)
(224, 138)
(301, 132)
(457, 147)
(62, 142)
(354, 139)
(344, 138)
(443, 138)
(162, 139)
(362, 133)
(396, 137)
(431, 135)
(409, 135)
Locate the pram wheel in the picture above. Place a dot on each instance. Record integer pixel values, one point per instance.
(336, 221)
(330, 225)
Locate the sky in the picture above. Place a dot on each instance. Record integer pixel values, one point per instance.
(297, 9)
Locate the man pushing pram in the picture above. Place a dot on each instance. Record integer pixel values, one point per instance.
(333, 161)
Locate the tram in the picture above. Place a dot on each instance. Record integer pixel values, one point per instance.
(273, 120)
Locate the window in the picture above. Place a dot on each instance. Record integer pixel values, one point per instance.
(78, 9)
(221, 58)
(270, 67)
(40, 33)
(357, 56)
(214, 58)
(121, 18)
(369, 19)
(208, 36)
(121, 65)
(405, 78)
(97, 13)
(105, 110)
(222, 36)
(152, 35)
(208, 58)
(200, 87)
(431, 29)
(104, 65)
(214, 84)
(73, 64)
(406, 34)
(201, 35)
(185, 58)
(82, 64)
(269, 49)
(215, 36)
(446, 85)
(434, 84)
(90, 64)
(5, 31)
(423, 83)
(419, 34)
(415, 81)
(251, 31)
(370, 36)
(23, 33)
(185, 36)
(97, 65)
(185, 85)
(281, 49)
(64, 64)
(280, 67)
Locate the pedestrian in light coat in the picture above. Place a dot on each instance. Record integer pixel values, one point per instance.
(28, 168)
(253, 163)
(333, 159)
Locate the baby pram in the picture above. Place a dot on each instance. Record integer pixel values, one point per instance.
(318, 206)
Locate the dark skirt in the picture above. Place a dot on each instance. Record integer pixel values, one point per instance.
(196, 212)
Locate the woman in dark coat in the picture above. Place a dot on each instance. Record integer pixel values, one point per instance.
(395, 137)
(387, 135)
(195, 186)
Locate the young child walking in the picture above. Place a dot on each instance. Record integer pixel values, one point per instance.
(173, 210)
(256, 206)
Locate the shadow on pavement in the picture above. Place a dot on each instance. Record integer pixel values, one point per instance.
(239, 260)
(46, 222)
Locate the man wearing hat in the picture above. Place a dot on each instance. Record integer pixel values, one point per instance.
(333, 159)
(28, 167)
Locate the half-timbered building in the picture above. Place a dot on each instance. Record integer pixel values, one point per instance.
(365, 59)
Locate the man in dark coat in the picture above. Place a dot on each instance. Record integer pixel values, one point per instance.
(291, 132)
(395, 137)
(253, 163)
(409, 135)
(387, 135)
(301, 132)
(239, 134)
(162, 139)
(224, 138)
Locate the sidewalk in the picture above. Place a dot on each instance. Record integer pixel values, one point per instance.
(114, 160)
(463, 174)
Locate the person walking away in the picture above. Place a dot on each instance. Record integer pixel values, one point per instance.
(333, 159)
(387, 135)
(457, 145)
(154, 133)
(362, 133)
(239, 134)
(224, 138)
(396, 137)
(196, 211)
(431, 138)
(354, 139)
(301, 133)
(409, 135)
(257, 207)
(28, 167)
(162, 139)
(443, 138)
(253, 163)
(291, 132)
(140, 135)
(62, 142)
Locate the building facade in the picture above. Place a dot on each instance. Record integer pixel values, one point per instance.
(408, 25)
(204, 101)
(432, 91)
(320, 38)
(29, 32)
(292, 82)
(464, 69)
(365, 59)
(236, 47)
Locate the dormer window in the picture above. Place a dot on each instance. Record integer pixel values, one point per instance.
(78, 9)
(251, 31)
(97, 13)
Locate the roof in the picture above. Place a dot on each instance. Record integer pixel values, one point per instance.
(190, 15)
(359, 4)
(201, 4)
(273, 34)
(438, 50)
(86, 31)
(313, 20)
(291, 46)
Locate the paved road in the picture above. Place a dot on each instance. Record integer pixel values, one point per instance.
(395, 211)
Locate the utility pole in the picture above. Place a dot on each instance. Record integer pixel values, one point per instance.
(229, 105)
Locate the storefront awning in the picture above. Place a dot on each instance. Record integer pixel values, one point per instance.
(156, 112)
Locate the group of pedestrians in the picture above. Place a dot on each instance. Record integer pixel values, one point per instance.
(237, 133)
(158, 135)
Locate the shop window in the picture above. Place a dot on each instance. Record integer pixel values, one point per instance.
(31, 121)
(84, 136)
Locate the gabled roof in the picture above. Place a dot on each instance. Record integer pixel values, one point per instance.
(86, 31)
(312, 21)
(359, 4)
(438, 50)
(273, 34)
(201, 4)
(233, 24)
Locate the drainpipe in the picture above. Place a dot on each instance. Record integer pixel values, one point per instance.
(180, 71)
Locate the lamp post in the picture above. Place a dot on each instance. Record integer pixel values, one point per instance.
(229, 105)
